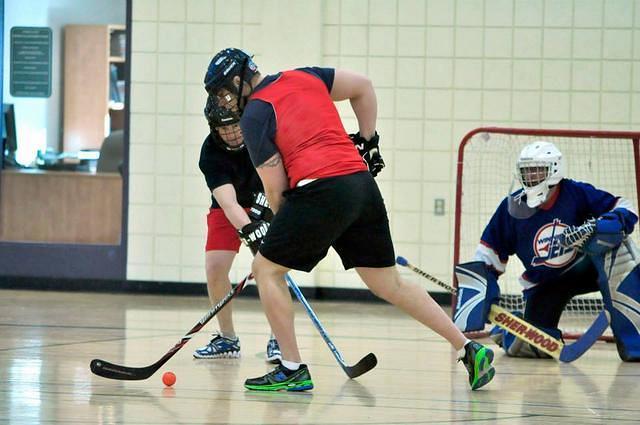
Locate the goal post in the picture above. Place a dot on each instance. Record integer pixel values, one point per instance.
(610, 160)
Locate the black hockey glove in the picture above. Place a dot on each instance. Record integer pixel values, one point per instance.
(369, 151)
(260, 209)
(252, 234)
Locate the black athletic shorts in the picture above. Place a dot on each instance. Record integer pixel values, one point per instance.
(344, 212)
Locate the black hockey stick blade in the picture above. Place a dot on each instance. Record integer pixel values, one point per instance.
(113, 371)
(365, 364)
(124, 373)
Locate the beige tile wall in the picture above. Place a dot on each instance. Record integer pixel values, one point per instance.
(440, 68)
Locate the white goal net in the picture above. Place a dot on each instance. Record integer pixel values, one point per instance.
(486, 166)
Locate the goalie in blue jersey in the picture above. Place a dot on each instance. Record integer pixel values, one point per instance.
(530, 224)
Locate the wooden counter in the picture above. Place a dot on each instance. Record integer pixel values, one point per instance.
(60, 206)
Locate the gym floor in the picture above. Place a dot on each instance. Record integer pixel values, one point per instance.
(49, 338)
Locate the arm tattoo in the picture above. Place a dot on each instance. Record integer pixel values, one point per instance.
(273, 162)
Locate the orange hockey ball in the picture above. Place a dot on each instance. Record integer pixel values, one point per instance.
(169, 378)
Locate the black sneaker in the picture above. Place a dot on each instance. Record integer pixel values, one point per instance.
(477, 359)
(282, 378)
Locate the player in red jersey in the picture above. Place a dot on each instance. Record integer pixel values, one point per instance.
(323, 194)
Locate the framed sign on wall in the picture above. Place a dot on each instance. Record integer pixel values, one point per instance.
(30, 63)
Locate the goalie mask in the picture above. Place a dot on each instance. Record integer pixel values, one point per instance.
(539, 168)
(229, 136)
(226, 94)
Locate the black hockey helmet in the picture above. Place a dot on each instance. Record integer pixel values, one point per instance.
(218, 82)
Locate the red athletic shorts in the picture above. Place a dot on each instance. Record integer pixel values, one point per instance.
(221, 235)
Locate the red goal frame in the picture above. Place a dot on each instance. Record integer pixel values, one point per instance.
(634, 138)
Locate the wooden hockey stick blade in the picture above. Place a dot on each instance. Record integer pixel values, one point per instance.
(365, 364)
(525, 331)
(571, 352)
(124, 373)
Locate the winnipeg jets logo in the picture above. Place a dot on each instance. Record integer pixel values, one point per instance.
(547, 249)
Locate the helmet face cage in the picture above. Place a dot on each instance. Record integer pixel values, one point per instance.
(531, 175)
(224, 127)
(231, 136)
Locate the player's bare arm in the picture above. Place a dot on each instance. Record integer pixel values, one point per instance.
(226, 197)
(359, 90)
(274, 179)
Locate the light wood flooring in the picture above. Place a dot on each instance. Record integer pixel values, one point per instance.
(49, 338)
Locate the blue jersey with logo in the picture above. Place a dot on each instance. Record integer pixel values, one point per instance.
(535, 240)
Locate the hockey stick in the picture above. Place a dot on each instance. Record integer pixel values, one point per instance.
(114, 371)
(365, 364)
(525, 331)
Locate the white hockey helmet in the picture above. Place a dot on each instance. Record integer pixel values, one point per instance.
(539, 168)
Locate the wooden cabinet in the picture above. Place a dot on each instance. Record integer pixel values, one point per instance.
(60, 207)
(93, 83)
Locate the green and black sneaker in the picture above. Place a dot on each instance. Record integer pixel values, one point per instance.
(477, 359)
(282, 378)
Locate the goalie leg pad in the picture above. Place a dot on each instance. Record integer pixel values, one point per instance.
(477, 290)
(619, 280)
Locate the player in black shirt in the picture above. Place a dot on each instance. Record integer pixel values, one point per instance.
(234, 184)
